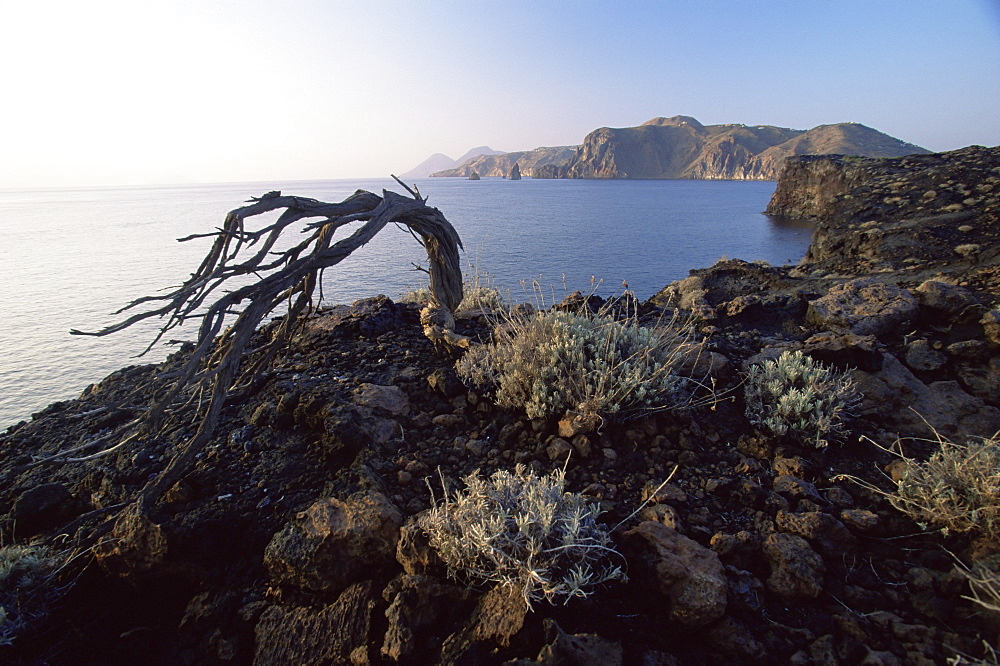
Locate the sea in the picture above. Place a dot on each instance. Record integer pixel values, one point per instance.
(70, 258)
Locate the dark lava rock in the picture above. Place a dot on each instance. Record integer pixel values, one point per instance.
(42, 508)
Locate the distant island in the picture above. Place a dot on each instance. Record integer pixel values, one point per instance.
(679, 147)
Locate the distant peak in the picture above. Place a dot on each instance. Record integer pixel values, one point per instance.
(674, 121)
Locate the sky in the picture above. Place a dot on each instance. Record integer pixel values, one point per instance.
(109, 92)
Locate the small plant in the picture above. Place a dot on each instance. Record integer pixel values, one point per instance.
(476, 296)
(27, 588)
(524, 531)
(583, 363)
(957, 489)
(797, 396)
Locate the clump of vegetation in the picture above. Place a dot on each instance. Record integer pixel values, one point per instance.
(797, 396)
(583, 363)
(523, 531)
(957, 488)
(27, 588)
(476, 296)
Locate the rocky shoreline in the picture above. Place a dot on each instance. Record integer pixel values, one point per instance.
(294, 539)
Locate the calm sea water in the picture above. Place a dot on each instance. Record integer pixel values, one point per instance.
(71, 257)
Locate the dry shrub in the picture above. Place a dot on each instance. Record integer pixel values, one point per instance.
(957, 489)
(28, 588)
(523, 531)
(592, 363)
(478, 294)
(798, 396)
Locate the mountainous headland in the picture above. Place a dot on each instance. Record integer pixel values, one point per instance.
(680, 147)
(441, 162)
(300, 535)
(499, 165)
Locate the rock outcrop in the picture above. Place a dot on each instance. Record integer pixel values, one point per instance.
(918, 211)
(681, 147)
(500, 165)
(441, 162)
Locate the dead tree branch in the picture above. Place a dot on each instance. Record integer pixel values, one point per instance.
(220, 362)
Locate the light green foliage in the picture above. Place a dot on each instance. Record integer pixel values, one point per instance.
(958, 488)
(522, 530)
(799, 397)
(551, 362)
(26, 588)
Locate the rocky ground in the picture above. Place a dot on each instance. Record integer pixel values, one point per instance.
(293, 539)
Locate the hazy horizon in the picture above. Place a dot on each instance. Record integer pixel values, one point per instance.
(112, 93)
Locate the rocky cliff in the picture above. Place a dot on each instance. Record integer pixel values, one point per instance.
(681, 147)
(440, 162)
(920, 211)
(499, 166)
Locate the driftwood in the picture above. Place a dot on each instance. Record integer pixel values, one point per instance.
(222, 366)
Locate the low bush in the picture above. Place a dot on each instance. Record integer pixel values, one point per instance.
(524, 531)
(476, 296)
(797, 396)
(552, 362)
(957, 488)
(27, 588)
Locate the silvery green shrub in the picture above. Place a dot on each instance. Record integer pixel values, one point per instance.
(957, 488)
(27, 588)
(551, 362)
(524, 531)
(797, 396)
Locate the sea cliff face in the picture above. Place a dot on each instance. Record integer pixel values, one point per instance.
(529, 161)
(681, 147)
(915, 211)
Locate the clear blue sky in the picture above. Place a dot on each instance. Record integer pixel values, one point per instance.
(165, 91)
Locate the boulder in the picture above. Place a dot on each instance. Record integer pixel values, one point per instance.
(578, 423)
(446, 383)
(690, 576)
(334, 634)
(334, 543)
(498, 615)
(415, 603)
(908, 406)
(389, 399)
(575, 649)
(821, 529)
(795, 488)
(922, 357)
(942, 300)
(43, 507)
(368, 318)
(859, 520)
(136, 546)
(796, 570)
(982, 380)
(845, 350)
(414, 552)
(863, 306)
(991, 326)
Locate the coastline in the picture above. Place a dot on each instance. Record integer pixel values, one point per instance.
(237, 565)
